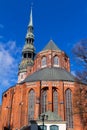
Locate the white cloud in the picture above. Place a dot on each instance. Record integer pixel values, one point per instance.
(5, 58)
(8, 64)
(11, 45)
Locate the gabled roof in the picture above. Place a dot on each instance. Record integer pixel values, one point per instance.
(51, 74)
(51, 46)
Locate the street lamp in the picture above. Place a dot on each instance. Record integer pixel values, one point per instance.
(43, 117)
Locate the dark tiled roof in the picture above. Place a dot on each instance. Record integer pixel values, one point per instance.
(51, 46)
(50, 74)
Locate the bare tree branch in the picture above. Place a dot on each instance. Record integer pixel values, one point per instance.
(80, 54)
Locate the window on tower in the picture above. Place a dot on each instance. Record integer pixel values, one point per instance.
(25, 56)
(29, 55)
(69, 117)
(55, 61)
(44, 62)
(27, 40)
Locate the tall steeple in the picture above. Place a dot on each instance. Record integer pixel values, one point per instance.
(28, 51)
(31, 19)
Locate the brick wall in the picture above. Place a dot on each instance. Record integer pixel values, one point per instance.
(15, 102)
(63, 61)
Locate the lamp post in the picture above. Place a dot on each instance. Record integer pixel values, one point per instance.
(43, 117)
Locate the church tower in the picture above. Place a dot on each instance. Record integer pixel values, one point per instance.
(28, 52)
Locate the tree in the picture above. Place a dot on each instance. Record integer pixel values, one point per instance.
(80, 104)
(80, 54)
(80, 94)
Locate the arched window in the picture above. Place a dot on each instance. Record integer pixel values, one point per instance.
(69, 116)
(55, 101)
(31, 104)
(29, 55)
(56, 61)
(42, 127)
(43, 62)
(43, 101)
(54, 127)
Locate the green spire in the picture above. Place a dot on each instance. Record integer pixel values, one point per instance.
(28, 49)
(31, 19)
(30, 35)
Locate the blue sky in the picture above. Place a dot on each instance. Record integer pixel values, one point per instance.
(64, 21)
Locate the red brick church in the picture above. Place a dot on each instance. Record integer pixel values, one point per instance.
(45, 84)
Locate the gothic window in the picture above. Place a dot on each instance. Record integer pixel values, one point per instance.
(55, 61)
(43, 101)
(42, 127)
(31, 104)
(43, 62)
(54, 127)
(55, 101)
(69, 117)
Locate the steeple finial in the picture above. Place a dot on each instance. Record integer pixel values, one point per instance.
(31, 18)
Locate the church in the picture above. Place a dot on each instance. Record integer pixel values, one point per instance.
(43, 97)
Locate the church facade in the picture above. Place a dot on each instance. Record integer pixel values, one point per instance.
(45, 85)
